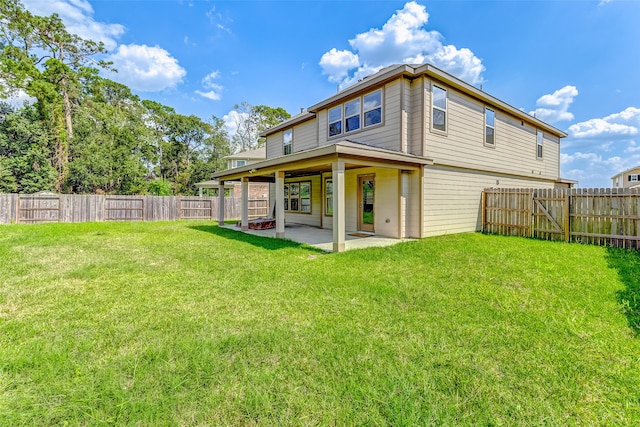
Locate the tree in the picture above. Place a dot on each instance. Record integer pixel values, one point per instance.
(157, 116)
(113, 141)
(250, 121)
(39, 56)
(25, 151)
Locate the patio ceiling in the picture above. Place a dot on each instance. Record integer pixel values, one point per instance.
(317, 160)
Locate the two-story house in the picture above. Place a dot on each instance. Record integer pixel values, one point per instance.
(627, 179)
(243, 158)
(405, 152)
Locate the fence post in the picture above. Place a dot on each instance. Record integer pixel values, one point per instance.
(532, 218)
(567, 218)
(484, 211)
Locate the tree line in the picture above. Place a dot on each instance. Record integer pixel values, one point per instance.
(83, 133)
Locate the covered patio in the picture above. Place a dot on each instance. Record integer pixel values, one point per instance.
(400, 201)
(322, 238)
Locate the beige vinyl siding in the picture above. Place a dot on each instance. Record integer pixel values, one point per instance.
(514, 151)
(405, 105)
(386, 135)
(624, 179)
(452, 197)
(312, 219)
(274, 145)
(305, 136)
(386, 200)
(410, 208)
(551, 156)
(416, 116)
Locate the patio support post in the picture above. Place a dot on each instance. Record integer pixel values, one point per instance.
(280, 205)
(338, 206)
(245, 203)
(221, 203)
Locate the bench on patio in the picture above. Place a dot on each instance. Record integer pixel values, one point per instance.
(259, 223)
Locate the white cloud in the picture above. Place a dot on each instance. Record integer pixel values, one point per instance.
(632, 148)
(212, 95)
(231, 121)
(338, 63)
(593, 169)
(146, 68)
(16, 98)
(217, 19)
(402, 39)
(623, 124)
(214, 90)
(555, 107)
(77, 16)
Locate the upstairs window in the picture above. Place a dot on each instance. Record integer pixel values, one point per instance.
(540, 140)
(356, 114)
(489, 127)
(287, 142)
(352, 115)
(439, 109)
(373, 108)
(335, 121)
(633, 178)
(240, 163)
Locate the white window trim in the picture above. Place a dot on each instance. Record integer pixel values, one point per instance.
(358, 114)
(364, 112)
(486, 125)
(539, 145)
(285, 144)
(445, 110)
(343, 120)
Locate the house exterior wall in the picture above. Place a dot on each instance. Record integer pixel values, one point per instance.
(416, 106)
(412, 221)
(385, 135)
(274, 145)
(406, 127)
(445, 197)
(305, 136)
(386, 202)
(622, 179)
(313, 219)
(514, 151)
(452, 197)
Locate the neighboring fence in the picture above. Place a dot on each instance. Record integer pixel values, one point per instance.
(606, 216)
(41, 208)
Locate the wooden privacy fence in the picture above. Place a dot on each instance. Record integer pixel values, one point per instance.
(600, 216)
(48, 207)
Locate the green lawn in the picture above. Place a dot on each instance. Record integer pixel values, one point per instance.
(186, 324)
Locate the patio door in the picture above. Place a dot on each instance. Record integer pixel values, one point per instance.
(366, 198)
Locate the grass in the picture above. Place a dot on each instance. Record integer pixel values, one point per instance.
(184, 323)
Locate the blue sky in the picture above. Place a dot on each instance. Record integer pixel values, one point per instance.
(576, 64)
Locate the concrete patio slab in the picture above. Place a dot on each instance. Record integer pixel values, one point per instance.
(322, 238)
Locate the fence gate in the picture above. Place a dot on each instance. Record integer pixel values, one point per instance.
(39, 208)
(123, 209)
(605, 216)
(550, 214)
